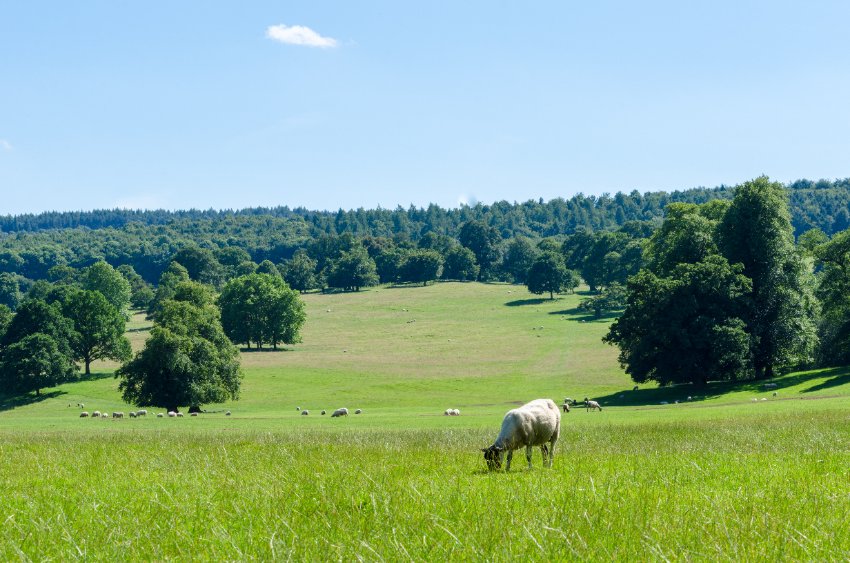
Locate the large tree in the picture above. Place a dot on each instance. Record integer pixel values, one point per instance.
(300, 272)
(685, 328)
(483, 241)
(352, 270)
(421, 266)
(834, 293)
(186, 361)
(756, 231)
(33, 363)
(519, 255)
(262, 309)
(98, 328)
(460, 264)
(102, 277)
(547, 274)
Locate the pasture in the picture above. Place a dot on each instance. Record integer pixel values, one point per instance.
(717, 477)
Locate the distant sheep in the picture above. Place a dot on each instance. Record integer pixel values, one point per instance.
(104, 415)
(84, 414)
(635, 388)
(298, 408)
(591, 405)
(172, 414)
(159, 415)
(118, 415)
(447, 412)
(455, 412)
(193, 414)
(142, 412)
(566, 407)
(227, 413)
(339, 412)
(305, 412)
(132, 414)
(358, 411)
(324, 412)
(179, 415)
(96, 414)
(537, 423)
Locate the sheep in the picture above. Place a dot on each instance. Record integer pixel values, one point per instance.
(324, 412)
(227, 413)
(590, 405)
(179, 415)
(172, 414)
(635, 388)
(118, 415)
(159, 415)
(455, 412)
(104, 415)
(358, 411)
(537, 423)
(95, 414)
(566, 407)
(142, 412)
(447, 412)
(84, 414)
(193, 414)
(298, 408)
(132, 414)
(775, 393)
(339, 412)
(305, 412)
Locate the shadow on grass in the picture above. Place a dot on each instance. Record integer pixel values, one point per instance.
(97, 376)
(262, 350)
(140, 329)
(9, 402)
(697, 393)
(585, 317)
(534, 301)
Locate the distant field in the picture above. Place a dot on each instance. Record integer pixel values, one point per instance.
(717, 477)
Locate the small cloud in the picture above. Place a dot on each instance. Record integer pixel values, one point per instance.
(467, 200)
(299, 35)
(5, 145)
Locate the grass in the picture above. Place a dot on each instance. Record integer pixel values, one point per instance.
(717, 477)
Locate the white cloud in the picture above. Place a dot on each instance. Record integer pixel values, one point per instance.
(5, 145)
(299, 35)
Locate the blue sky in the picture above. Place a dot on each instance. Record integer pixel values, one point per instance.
(349, 104)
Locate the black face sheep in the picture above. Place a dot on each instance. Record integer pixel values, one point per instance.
(358, 411)
(339, 412)
(590, 405)
(537, 423)
(324, 412)
(84, 414)
(305, 412)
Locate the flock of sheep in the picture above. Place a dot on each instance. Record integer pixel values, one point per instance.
(132, 414)
(337, 413)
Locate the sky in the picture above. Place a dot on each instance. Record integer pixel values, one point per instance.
(348, 104)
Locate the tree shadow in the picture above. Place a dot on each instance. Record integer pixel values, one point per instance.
(96, 376)
(585, 317)
(690, 393)
(9, 402)
(140, 329)
(533, 301)
(262, 350)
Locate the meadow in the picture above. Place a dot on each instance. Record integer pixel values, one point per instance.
(718, 477)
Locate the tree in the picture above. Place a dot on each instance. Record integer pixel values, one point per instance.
(685, 328)
(200, 263)
(613, 298)
(267, 267)
(300, 272)
(261, 308)
(141, 292)
(98, 328)
(33, 363)
(756, 231)
(421, 266)
(5, 320)
(547, 273)
(37, 316)
(519, 256)
(10, 290)
(168, 281)
(483, 241)
(834, 293)
(352, 270)
(460, 265)
(186, 361)
(102, 277)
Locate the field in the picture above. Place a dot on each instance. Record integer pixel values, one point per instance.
(717, 477)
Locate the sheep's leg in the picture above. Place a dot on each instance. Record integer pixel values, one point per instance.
(544, 449)
(510, 457)
(528, 450)
(551, 452)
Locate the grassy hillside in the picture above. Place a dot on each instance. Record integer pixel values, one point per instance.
(719, 477)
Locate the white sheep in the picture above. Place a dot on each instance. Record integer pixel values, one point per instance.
(305, 412)
(339, 412)
(142, 412)
(104, 415)
(193, 414)
(179, 415)
(96, 414)
(590, 405)
(118, 415)
(132, 414)
(566, 407)
(84, 414)
(455, 412)
(448, 412)
(227, 413)
(537, 423)
(159, 415)
(172, 414)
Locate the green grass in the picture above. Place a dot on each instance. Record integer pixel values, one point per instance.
(717, 477)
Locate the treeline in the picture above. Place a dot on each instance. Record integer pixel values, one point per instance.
(822, 204)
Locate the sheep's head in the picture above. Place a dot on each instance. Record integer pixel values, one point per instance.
(493, 456)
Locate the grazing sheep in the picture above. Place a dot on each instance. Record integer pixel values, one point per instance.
(339, 412)
(142, 413)
(193, 414)
(305, 412)
(132, 414)
(448, 412)
(95, 414)
(118, 415)
(298, 408)
(104, 415)
(358, 411)
(566, 407)
(179, 415)
(159, 415)
(84, 414)
(590, 405)
(227, 413)
(172, 414)
(537, 423)
(324, 412)
(775, 393)
(455, 412)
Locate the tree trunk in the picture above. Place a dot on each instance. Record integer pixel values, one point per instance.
(551, 295)
(88, 363)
